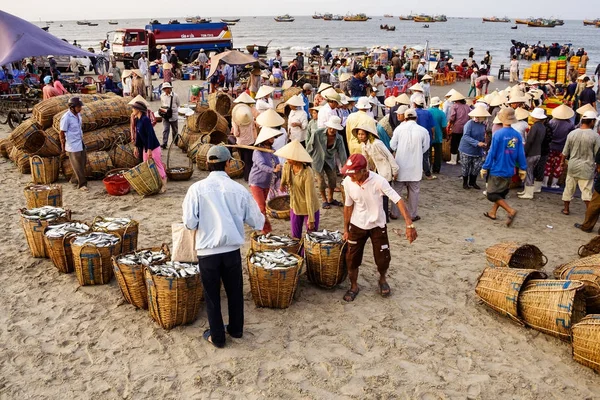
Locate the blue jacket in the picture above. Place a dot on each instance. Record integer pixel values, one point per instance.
(145, 136)
(506, 152)
(425, 120)
(306, 104)
(473, 133)
(261, 173)
(357, 87)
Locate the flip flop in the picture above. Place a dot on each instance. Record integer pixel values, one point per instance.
(350, 295)
(565, 212)
(336, 203)
(233, 334)
(485, 214)
(510, 219)
(417, 218)
(206, 336)
(84, 189)
(384, 289)
(326, 205)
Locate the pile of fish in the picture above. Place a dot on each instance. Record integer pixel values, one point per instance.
(325, 237)
(44, 213)
(98, 239)
(276, 241)
(61, 230)
(179, 169)
(145, 257)
(39, 188)
(278, 259)
(175, 269)
(111, 224)
(116, 173)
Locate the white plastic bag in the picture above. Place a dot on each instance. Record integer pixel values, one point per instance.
(184, 243)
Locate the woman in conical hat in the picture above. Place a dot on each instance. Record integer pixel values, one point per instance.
(243, 128)
(472, 145)
(561, 125)
(298, 178)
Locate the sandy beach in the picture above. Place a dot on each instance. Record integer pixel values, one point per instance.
(431, 339)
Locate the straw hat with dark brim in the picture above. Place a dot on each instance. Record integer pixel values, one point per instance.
(242, 115)
(367, 126)
(521, 113)
(506, 116)
(323, 86)
(263, 91)
(295, 101)
(294, 151)
(403, 99)
(563, 112)
(588, 107)
(479, 112)
(270, 119)
(457, 96)
(266, 133)
(138, 105)
(244, 98)
(330, 94)
(140, 99)
(287, 84)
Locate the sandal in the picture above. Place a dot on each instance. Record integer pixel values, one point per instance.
(487, 215)
(510, 219)
(351, 295)
(206, 336)
(417, 218)
(326, 205)
(336, 203)
(236, 335)
(84, 189)
(565, 212)
(384, 289)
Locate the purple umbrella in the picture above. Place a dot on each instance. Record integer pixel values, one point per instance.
(20, 39)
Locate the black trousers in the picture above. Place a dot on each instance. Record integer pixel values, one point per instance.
(246, 156)
(437, 157)
(455, 142)
(226, 268)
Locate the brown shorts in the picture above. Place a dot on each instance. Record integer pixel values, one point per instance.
(357, 239)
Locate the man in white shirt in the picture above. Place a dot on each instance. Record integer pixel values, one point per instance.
(169, 100)
(71, 140)
(329, 109)
(410, 141)
(514, 70)
(145, 71)
(379, 84)
(364, 218)
(217, 207)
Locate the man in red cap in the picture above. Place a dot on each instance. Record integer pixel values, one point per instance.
(364, 218)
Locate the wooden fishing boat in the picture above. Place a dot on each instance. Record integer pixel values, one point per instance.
(440, 18)
(541, 23)
(423, 18)
(84, 22)
(388, 16)
(92, 24)
(284, 18)
(261, 49)
(522, 21)
(113, 22)
(496, 19)
(589, 22)
(230, 20)
(317, 16)
(356, 18)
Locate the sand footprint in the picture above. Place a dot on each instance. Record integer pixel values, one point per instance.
(473, 391)
(464, 364)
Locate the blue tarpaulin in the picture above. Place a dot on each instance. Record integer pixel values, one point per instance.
(20, 39)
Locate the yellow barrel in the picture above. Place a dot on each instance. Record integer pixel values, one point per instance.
(535, 67)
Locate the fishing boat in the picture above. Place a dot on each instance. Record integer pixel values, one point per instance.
(514, 27)
(285, 18)
(541, 23)
(589, 22)
(440, 18)
(522, 21)
(92, 24)
(356, 18)
(45, 28)
(337, 17)
(198, 20)
(387, 27)
(228, 21)
(49, 22)
(496, 19)
(423, 18)
(261, 49)
(327, 17)
(426, 26)
(388, 16)
(408, 17)
(317, 16)
(84, 22)
(558, 22)
(113, 22)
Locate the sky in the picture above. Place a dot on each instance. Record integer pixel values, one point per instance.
(34, 10)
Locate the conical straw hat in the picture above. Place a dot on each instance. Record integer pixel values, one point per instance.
(563, 112)
(295, 101)
(242, 115)
(497, 120)
(416, 87)
(138, 98)
(266, 133)
(450, 93)
(403, 99)
(287, 84)
(457, 96)
(588, 107)
(521, 113)
(270, 119)
(480, 112)
(497, 100)
(390, 101)
(126, 73)
(426, 76)
(167, 66)
(263, 91)
(244, 98)
(323, 86)
(294, 151)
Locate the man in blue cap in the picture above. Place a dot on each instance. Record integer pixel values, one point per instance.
(49, 91)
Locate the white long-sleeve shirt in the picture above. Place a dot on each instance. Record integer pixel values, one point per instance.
(324, 113)
(382, 158)
(218, 207)
(279, 142)
(263, 105)
(297, 132)
(409, 142)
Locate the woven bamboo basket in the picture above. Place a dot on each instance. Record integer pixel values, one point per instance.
(273, 288)
(50, 146)
(215, 137)
(499, 288)
(128, 235)
(591, 248)
(446, 153)
(235, 168)
(291, 92)
(257, 246)
(589, 263)
(100, 164)
(589, 275)
(173, 301)
(21, 160)
(99, 139)
(212, 121)
(221, 103)
(201, 156)
(5, 147)
(28, 136)
(193, 121)
(325, 263)
(44, 111)
(44, 170)
(192, 150)
(178, 173)
(12, 154)
(131, 278)
(144, 178)
(59, 250)
(34, 233)
(586, 341)
(514, 255)
(43, 195)
(67, 169)
(279, 207)
(552, 306)
(122, 156)
(93, 264)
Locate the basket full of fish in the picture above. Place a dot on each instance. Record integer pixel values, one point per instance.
(92, 254)
(270, 242)
(43, 195)
(325, 258)
(126, 228)
(129, 271)
(174, 292)
(273, 277)
(35, 220)
(57, 238)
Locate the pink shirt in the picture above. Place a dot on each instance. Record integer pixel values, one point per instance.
(49, 91)
(60, 88)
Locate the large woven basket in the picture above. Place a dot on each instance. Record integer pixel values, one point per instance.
(591, 248)
(50, 147)
(586, 341)
(67, 169)
(514, 255)
(201, 156)
(21, 160)
(97, 165)
(131, 278)
(34, 233)
(93, 264)
(122, 155)
(325, 263)
(257, 246)
(44, 170)
(59, 250)
(552, 306)
(44, 111)
(144, 178)
(188, 138)
(290, 92)
(235, 168)
(273, 288)
(221, 103)
(178, 173)
(499, 288)
(214, 137)
(28, 136)
(43, 195)
(279, 207)
(192, 149)
(211, 121)
(128, 235)
(173, 301)
(5, 147)
(588, 272)
(446, 153)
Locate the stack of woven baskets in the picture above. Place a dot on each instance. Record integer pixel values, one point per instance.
(208, 124)
(514, 286)
(34, 146)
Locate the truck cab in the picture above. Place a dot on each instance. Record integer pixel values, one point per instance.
(129, 44)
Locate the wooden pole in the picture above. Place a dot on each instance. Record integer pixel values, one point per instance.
(242, 146)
